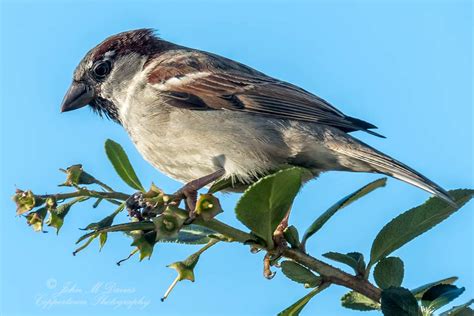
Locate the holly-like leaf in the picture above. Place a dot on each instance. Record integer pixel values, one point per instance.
(191, 235)
(323, 218)
(419, 291)
(234, 183)
(122, 165)
(398, 301)
(264, 204)
(357, 301)
(389, 272)
(300, 274)
(461, 310)
(296, 308)
(355, 260)
(439, 295)
(415, 222)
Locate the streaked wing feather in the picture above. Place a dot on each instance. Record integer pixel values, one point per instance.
(211, 88)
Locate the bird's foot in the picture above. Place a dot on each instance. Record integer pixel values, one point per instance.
(189, 192)
(279, 244)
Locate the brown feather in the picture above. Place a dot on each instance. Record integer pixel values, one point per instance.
(211, 82)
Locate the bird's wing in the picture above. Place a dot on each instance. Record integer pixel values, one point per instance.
(202, 81)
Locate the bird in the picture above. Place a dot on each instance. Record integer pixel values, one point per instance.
(199, 117)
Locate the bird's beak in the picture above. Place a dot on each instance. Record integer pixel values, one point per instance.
(78, 96)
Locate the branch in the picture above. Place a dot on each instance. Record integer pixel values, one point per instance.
(329, 273)
(82, 192)
(334, 275)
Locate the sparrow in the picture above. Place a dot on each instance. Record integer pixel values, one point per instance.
(199, 117)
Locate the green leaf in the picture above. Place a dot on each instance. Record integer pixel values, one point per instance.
(296, 308)
(265, 203)
(355, 260)
(35, 219)
(106, 221)
(419, 291)
(191, 235)
(292, 237)
(439, 295)
(87, 243)
(102, 240)
(122, 166)
(398, 301)
(57, 215)
(221, 184)
(357, 301)
(464, 311)
(415, 222)
(461, 310)
(145, 242)
(300, 274)
(127, 227)
(323, 218)
(389, 272)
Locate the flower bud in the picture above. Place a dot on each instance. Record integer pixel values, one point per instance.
(75, 175)
(185, 271)
(26, 201)
(168, 224)
(51, 203)
(36, 219)
(208, 207)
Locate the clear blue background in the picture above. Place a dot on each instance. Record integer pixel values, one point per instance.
(405, 66)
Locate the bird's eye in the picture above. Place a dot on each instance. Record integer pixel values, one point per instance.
(101, 69)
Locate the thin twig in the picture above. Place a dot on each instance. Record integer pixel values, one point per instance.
(89, 193)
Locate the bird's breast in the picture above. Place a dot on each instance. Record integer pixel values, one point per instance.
(186, 144)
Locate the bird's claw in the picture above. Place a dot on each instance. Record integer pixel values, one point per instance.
(279, 245)
(267, 272)
(189, 195)
(190, 190)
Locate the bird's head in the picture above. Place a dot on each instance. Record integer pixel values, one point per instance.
(108, 69)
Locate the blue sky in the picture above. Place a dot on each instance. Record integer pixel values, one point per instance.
(405, 66)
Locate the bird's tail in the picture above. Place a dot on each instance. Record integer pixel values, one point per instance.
(372, 160)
